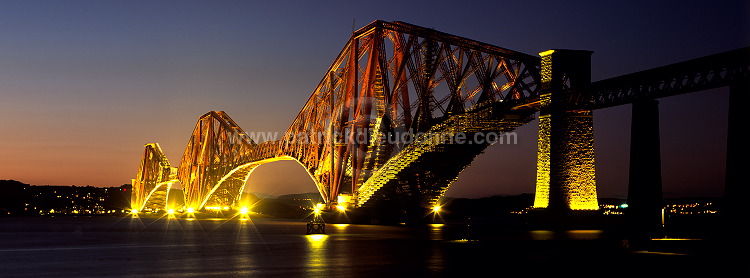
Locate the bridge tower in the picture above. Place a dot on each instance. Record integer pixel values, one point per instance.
(738, 150)
(565, 157)
(645, 200)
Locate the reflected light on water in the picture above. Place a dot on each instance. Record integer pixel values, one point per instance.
(584, 234)
(541, 235)
(316, 240)
(436, 232)
(315, 259)
(569, 234)
(436, 259)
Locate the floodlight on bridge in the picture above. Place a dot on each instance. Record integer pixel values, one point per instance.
(384, 123)
(392, 80)
(153, 180)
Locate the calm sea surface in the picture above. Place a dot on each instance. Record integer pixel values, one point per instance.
(153, 247)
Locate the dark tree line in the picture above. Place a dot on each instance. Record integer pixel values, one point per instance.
(18, 198)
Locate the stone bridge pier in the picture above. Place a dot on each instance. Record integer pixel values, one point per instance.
(565, 184)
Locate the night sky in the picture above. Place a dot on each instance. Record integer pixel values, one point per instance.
(85, 84)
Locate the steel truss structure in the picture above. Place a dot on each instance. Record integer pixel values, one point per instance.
(395, 119)
(394, 84)
(154, 179)
(713, 71)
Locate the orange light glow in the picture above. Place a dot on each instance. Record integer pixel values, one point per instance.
(436, 209)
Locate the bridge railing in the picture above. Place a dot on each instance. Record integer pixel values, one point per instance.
(703, 73)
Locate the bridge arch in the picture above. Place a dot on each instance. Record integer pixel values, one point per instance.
(394, 78)
(227, 192)
(153, 181)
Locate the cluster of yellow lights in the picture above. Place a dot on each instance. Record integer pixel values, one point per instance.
(441, 133)
(395, 165)
(244, 211)
(436, 208)
(318, 208)
(217, 208)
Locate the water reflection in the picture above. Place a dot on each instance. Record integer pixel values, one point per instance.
(436, 232)
(436, 258)
(567, 234)
(542, 235)
(143, 246)
(341, 226)
(315, 259)
(584, 234)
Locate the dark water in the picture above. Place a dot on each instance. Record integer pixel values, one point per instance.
(150, 247)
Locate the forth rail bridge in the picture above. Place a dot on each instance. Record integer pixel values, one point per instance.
(396, 118)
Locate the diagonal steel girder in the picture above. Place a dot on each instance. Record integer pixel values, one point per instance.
(395, 80)
(391, 80)
(153, 180)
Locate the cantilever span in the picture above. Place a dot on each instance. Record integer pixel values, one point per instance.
(402, 110)
(154, 179)
(393, 85)
(363, 129)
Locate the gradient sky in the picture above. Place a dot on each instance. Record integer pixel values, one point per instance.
(85, 84)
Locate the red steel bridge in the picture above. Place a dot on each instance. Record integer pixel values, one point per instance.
(404, 109)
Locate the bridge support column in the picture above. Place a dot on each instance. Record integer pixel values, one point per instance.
(738, 157)
(565, 184)
(645, 201)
